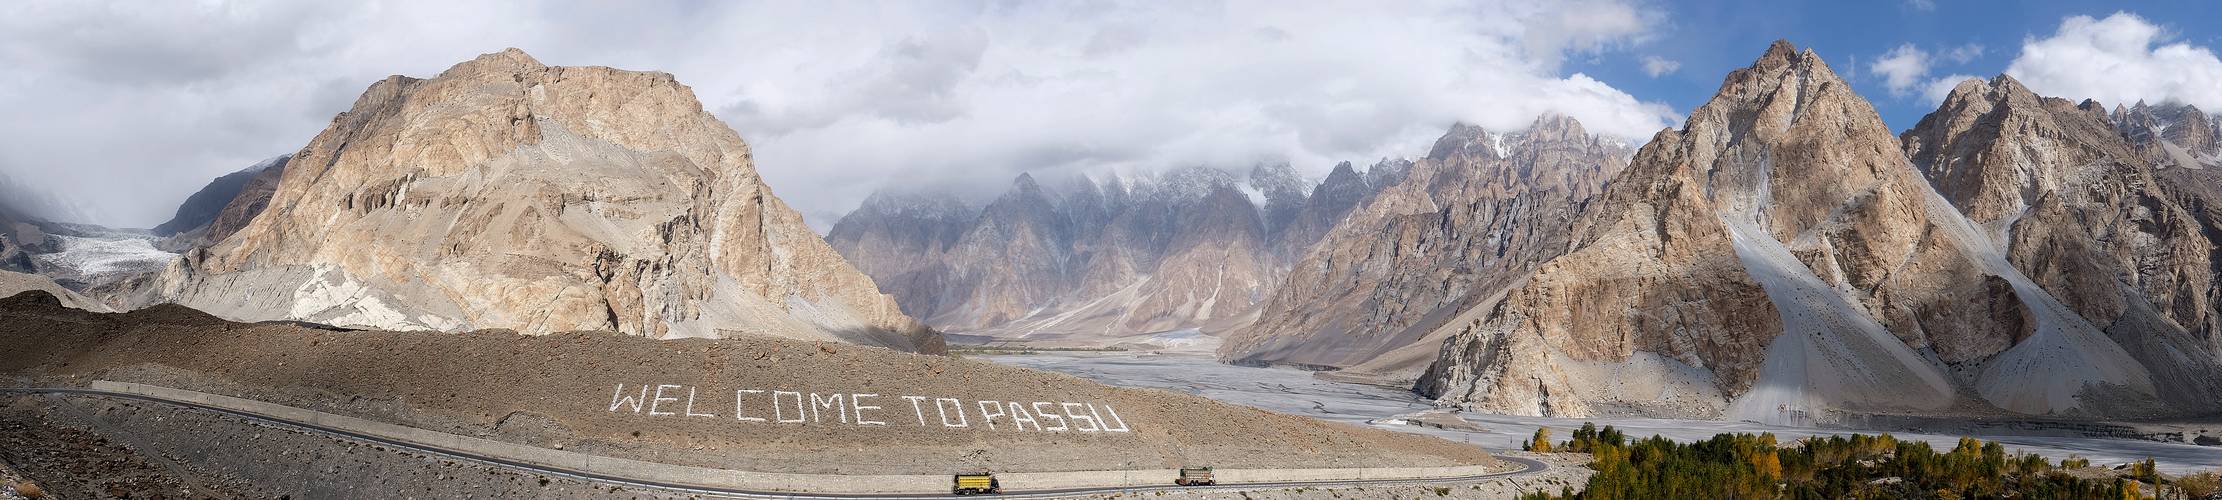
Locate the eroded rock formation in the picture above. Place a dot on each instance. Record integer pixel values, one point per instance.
(1780, 259)
(504, 193)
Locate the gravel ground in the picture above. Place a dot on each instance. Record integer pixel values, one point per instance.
(559, 390)
(103, 448)
(1298, 392)
(1566, 470)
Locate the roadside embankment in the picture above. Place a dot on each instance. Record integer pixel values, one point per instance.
(742, 404)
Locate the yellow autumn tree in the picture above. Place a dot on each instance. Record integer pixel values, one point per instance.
(1542, 441)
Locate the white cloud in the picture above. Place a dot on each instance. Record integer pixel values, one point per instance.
(2119, 60)
(135, 105)
(1658, 66)
(1922, 5)
(1902, 68)
(1964, 53)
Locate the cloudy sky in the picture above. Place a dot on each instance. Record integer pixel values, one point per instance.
(125, 108)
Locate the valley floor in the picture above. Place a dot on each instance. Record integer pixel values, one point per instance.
(1298, 392)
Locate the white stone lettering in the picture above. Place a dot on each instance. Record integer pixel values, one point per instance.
(1048, 416)
(1078, 419)
(914, 406)
(778, 410)
(690, 406)
(660, 399)
(989, 410)
(740, 414)
(1107, 423)
(944, 410)
(859, 408)
(857, 401)
(818, 407)
(618, 400)
(1020, 419)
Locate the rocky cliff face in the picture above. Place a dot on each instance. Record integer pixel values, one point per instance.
(2081, 210)
(2177, 134)
(1452, 232)
(1083, 260)
(901, 237)
(504, 193)
(222, 207)
(18, 238)
(204, 205)
(2184, 146)
(1780, 259)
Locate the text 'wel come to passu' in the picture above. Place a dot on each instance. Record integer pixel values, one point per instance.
(782, 407)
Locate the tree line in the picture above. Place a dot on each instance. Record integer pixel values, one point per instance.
(1746, 466)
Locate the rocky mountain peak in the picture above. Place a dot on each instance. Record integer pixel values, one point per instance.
(508, 61)
(1556, 127)
(1026, 184)
(1284, 190)
(1778, 53)
(1782, 243)
(508, 194)
(1463, 138)
(1959, 147)
(2177, 134)
(1341, 168)
(1387, 172)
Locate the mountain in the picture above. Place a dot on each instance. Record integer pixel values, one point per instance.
(1285, 193)
(2180, 134)
(2082, 210)
(18, 238)
(899, 238)
(1481, 207)
(1781, 259)
(12, 283)
(209, 203)
(1096, 262)
(1343, 190)
(2185, 148)
(504, 193)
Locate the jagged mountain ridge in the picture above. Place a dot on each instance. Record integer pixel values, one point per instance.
(2177, 134)
(504, 193)
(1080, 258)
(2076, 205)
(203, 206)
(1780, 259)
(1480, 208)
(223, 207)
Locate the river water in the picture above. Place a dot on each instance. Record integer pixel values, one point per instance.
(1298, 392)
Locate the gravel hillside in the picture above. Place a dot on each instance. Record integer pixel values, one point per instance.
(824, 407)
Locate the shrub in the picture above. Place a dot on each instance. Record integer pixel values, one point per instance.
(28, 489)
(2200, 486)
(1542, 441)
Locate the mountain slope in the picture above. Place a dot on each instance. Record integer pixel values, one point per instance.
(2080, 208)
(223, 207)
(504, 193)
(1096, 262)
(204, 205)
(1481, 210)
(1779, 259)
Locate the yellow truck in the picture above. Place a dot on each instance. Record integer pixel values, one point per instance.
(975, 484)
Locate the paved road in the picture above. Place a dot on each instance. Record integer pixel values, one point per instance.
(1529, 466)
